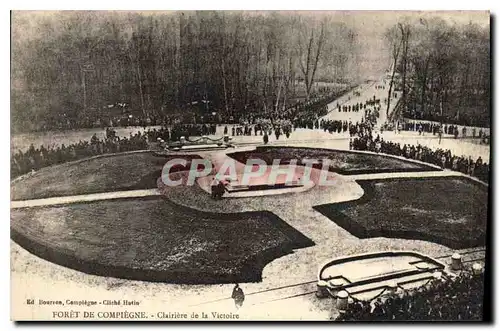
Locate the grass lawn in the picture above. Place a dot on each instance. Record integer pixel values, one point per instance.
(153, 239)
(452, 211)
(115, 172)
(343, 162)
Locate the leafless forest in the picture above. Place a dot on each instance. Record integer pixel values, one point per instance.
(444, 69)
(69, 68)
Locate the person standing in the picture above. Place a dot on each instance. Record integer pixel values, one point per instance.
(221, 188)
(238, 296)
(470, 166)
(214, 188)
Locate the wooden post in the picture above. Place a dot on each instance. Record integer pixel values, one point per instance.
(334, 286)
(477, 269)
(456, 261)
(321, 289)
(342, 300)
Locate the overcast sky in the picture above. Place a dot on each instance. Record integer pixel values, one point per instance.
(371, 26)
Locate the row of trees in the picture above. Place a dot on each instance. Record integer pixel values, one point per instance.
(72, 66)
(442, 70)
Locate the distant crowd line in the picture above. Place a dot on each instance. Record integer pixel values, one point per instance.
(34, 159)
(440, 157)
(436, 129)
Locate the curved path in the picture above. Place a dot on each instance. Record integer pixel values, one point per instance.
(83, 198)
(285, 273)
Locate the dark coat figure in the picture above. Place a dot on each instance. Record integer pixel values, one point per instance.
(238, 296)
(233, 130)
(266, 138)
(220, 190)
(479, 162)
(217, 189)
(225, 129)
(214, 188)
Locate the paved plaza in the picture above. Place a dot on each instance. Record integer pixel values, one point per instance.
(288, 283)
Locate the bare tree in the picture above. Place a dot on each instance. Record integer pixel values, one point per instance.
(405, 36)
(160, 63)
(396, 42)
(310, 51)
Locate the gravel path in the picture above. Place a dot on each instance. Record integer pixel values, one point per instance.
(83, 198)
(297, 268)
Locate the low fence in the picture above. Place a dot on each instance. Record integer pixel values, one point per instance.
(349, 306)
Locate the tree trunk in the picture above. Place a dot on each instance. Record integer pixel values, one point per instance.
(462, 88)
(405, 59)
(424, 84)
(305, 70)
(396, 55)
(223, 70)
(316, 60)
(139, 78)
(278, 94)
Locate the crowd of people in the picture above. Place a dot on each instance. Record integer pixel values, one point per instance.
(336, 126)
(440, 157)
(308, 115)
(436, 116)
(32, 159)
(455, 299)
(356, 107)
(301, 115)
(304, 114)
(35, 158)
(450, 129)
(123, 115)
